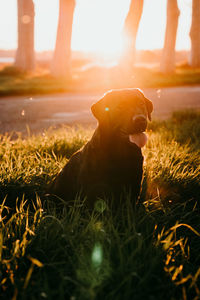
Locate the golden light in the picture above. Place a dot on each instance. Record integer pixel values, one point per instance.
(105, 17)
(98, 25)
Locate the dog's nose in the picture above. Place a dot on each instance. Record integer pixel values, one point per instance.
(140, 123)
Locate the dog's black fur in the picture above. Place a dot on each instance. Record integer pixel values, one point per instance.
(109, 163)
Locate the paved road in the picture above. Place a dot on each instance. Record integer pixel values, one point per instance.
(41, 112)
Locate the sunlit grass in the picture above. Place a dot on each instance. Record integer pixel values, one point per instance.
(145, 252)
(13, 82)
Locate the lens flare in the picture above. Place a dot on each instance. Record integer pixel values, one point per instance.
(97, 255)
(26, 19)
(100, 205)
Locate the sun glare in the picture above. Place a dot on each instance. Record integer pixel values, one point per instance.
(97, 25)
(101, 23)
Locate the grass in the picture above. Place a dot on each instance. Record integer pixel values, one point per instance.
(145, 252)
(14, 82)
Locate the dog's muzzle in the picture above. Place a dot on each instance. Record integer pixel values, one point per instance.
(140, 123)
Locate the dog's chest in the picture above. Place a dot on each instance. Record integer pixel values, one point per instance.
(124, 169)
(120, 164)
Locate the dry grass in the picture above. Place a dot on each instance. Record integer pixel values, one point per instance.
(145, 252)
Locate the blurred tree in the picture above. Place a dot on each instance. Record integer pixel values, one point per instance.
(195, 35)
(168, 55)
(25, 55)
(130, 30)
(62, 53)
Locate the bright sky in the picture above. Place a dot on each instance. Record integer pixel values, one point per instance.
(97, 24)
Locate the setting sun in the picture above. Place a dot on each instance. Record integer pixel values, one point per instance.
(97, 25)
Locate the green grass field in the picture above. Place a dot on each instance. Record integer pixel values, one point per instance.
(13, 82)
(147, 252)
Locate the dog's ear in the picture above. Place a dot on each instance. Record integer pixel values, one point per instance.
(149, 106)
(100, 110)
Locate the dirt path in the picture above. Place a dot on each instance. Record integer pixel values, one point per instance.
(41, 112)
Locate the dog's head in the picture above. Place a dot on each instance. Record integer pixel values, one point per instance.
(124, 110)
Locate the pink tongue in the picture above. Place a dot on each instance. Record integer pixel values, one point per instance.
(139, 139)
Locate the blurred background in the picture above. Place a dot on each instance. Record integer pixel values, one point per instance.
(64, 54)
(97, 31)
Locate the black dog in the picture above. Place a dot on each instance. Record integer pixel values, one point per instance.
(111, 162)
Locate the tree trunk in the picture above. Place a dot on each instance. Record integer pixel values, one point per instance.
(168, 56)
(62, 53)
(195, 35)
(130, 30)
(25, 55)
